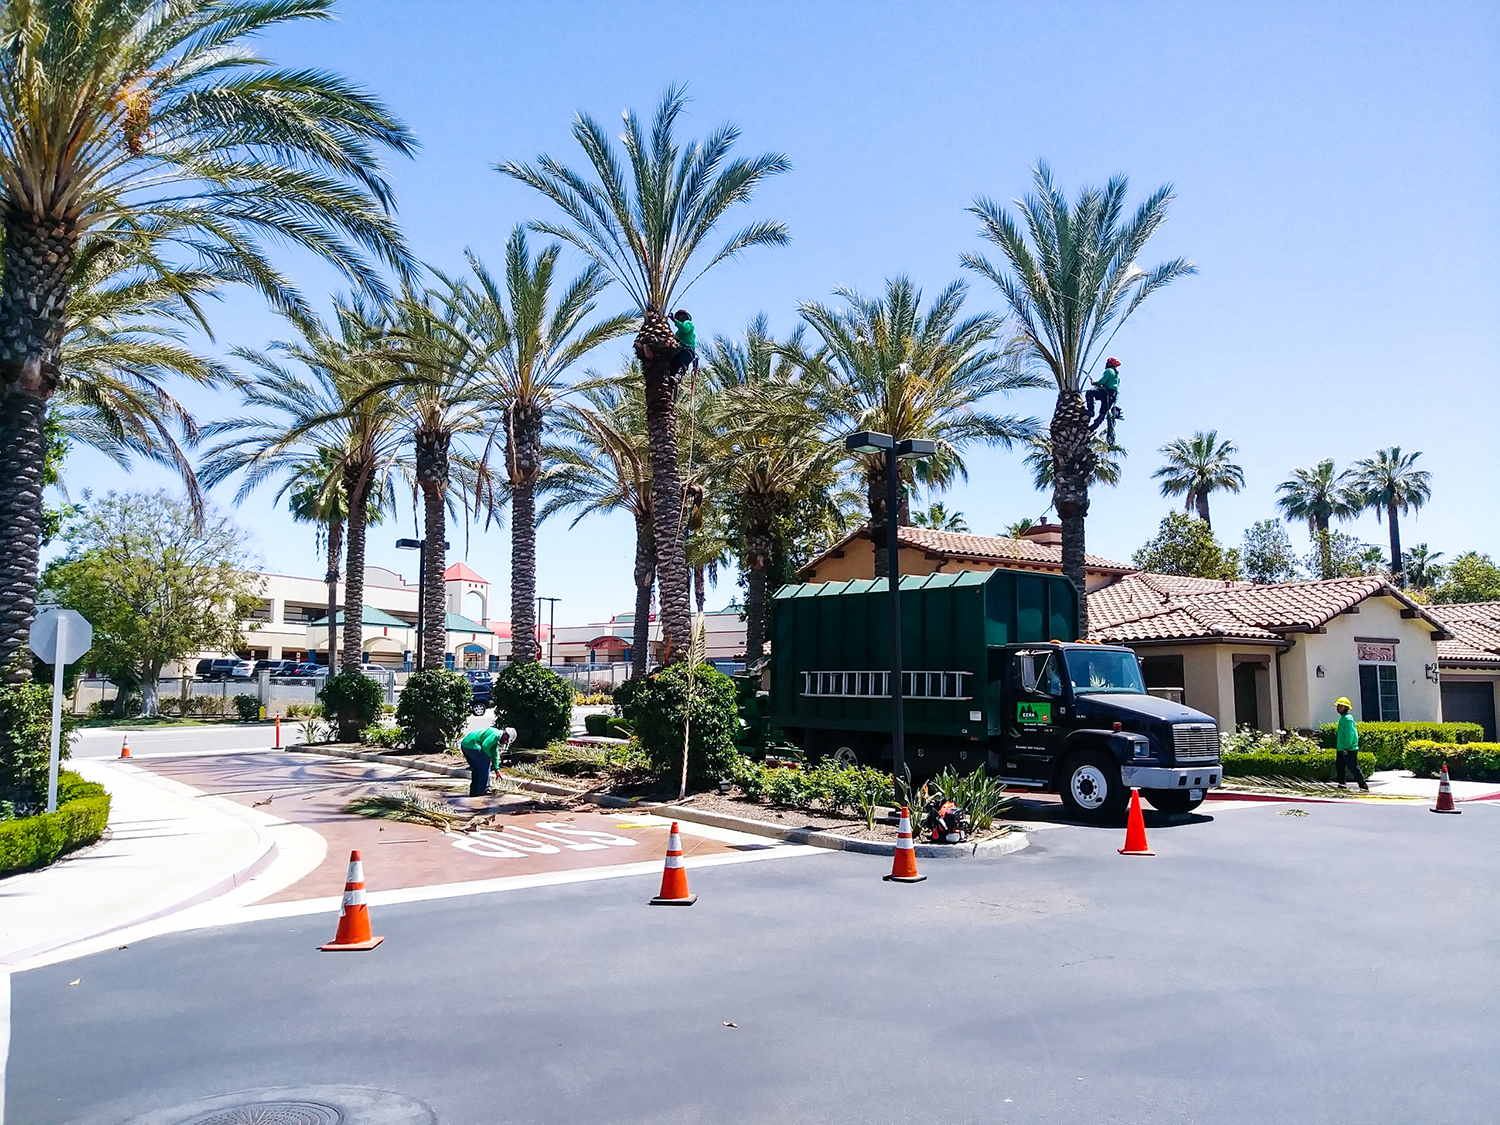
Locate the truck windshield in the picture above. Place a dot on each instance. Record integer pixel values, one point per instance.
(1104, 670)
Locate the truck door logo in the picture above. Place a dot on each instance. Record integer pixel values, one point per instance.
(1038, 713)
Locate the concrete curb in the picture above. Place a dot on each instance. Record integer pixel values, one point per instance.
(981, 849)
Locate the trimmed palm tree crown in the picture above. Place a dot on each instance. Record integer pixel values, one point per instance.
(1390, 483)
(1198, 466)
(1316, 496)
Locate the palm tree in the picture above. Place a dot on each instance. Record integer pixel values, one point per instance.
(886, 366)
(939, 518)
(530, 344)
(1390, 483)
(1107, 468)
(1421, 568)
(648, 232)
(1072, 281)
(331, 407)
(1198, 466)
(772, 455)
(1317, 495)
(708, 547)
(153, 124)
(600, 461)
(1019, 529)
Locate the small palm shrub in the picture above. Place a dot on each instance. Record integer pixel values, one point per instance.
(352, 700)
(535, 700)
(434, 708)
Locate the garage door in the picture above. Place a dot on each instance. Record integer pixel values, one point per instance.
(1470, 703)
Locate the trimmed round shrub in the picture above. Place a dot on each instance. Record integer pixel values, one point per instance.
(596, 724)
(352, 700)
(248, 707)
(434, 709)
(536, 701)
(657, 708)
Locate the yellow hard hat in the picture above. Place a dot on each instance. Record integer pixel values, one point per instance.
(1343, 701)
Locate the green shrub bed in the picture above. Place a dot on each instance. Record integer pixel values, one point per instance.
(35, 841)
(535, 700)
(1388, 741)
(1316, 766)
(1475, 761)
(835, 787)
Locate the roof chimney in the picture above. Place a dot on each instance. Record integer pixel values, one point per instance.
(1045, 534)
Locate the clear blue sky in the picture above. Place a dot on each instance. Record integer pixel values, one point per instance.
(1336, 168)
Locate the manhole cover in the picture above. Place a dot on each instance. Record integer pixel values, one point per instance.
(272, 1113)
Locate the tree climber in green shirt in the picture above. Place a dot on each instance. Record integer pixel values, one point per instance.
(1346, 756)
(687, 341)
(1106, 390)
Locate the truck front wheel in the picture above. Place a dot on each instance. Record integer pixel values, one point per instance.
(1171, 800)
(1091, 788)
(846, 751)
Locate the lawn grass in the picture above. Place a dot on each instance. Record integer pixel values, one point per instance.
(139, 723)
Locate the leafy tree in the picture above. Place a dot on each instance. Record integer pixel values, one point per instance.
(1071, 281)
(1186, 545)
(352, 700)
(647, 228)
(1421, 567)
(1337, 555)
(1198, 466)
(154, 125)
(1471, 577)
(1390, 483)
(1316, 496)
(156, 585)
(887, 366)
(938, 517)
(1267, 553)
(530, 338)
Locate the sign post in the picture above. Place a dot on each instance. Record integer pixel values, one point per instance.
(58, 637)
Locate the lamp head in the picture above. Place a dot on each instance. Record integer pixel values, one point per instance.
(868, 441)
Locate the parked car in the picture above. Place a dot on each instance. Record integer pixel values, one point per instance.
(276, 667)
(226, 668)
(309, 670)
(483, 684)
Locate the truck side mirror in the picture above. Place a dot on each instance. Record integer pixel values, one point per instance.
(1028, 673)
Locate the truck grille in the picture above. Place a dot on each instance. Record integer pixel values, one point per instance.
(1195, 742)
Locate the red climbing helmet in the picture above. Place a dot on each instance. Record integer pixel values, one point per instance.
(1111, 362)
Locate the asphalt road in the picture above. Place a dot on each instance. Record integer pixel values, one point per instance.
(1333, 967)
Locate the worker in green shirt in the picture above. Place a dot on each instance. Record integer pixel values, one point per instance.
(687, 342)
(1106, 390)
(481, 749)
(1346, 756)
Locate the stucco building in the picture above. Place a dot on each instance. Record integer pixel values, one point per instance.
(1470, 663)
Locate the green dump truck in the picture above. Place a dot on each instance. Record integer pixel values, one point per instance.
(995, 677)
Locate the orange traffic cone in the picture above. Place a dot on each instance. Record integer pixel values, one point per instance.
(674, 888)
(125, 747)
(1445, 796)
(904, 862)
(1135, 829)
(354, 915)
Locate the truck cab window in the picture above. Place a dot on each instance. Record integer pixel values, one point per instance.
(1037, 672)
(1104, 670)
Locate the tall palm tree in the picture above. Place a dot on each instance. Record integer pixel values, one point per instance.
(1107, 468)
(1317, 495)
(708, 548)
(647, 229)
(529, 343)
(939, 518)
(155, 123)
(887, 366)
(327, 405)
(1390, 483)
(772, 455)
(1018, 529)
(1198, 466)
(1071, 281)
(1421, 568)
(600, 461)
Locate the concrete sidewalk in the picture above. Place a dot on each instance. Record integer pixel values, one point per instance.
(168, 848)
(1403, 783)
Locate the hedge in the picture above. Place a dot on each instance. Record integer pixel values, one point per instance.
(1388, 741)
(1476, 761)
(35, 841)
(1317, 766)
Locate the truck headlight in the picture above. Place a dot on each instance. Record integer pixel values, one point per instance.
(1143, 749)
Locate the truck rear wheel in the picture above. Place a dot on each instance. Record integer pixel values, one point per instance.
(1091, 788)
(845, 751)
(1171, 800)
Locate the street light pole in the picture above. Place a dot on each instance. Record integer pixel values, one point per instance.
(551, 622)
(420, 546)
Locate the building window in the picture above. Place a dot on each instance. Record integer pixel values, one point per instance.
(1378, 699)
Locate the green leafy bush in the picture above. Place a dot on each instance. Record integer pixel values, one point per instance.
(303, 711)
(657, 707)
(1316, 766)
(984, 797)
(248, 707)
(434, 709)
(593, 699)
(619, 728)
(352, 700)
(835, 787)
(596, 724)
(34, 841)
(1475, 761)
(1388, 741)
(535, 700)
(26, 741)
(387, 738)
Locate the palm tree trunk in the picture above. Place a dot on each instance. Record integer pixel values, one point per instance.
(1325, 547)
(1073, 463)
(1201, 500)
(1398, 572)
(875, 502)
(22, 451)
(432, 473)
(357, 486)
(700, 587)
(656, 338)
(760, 516)
(523, 457)
(645, 577)
(335, 552)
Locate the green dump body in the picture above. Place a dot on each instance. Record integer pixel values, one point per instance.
(830, 648)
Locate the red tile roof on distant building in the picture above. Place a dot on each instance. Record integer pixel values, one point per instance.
(1476, 632)
(462, 572)
(996, 549)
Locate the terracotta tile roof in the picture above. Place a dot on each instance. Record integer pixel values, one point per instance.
(1476, 632)
(463, 572)
(960, 544)
(1146, 606)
